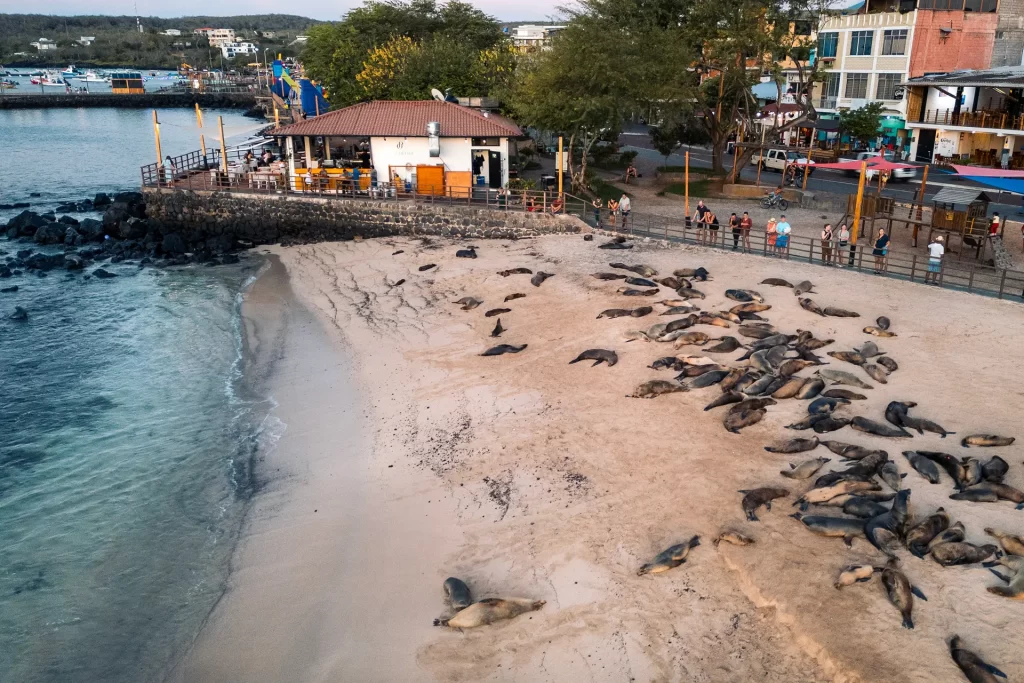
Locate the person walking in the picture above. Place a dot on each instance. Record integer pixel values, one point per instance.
(745, 225)
(699, 217)
(935, 252)
(881, 250)
(624, 209)
(613, 210)
(771, 235)
(826, 244)
(844, 242)
(734, 223)
(782, 239)
(597, 211)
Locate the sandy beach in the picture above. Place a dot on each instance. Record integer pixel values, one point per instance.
(407, 457)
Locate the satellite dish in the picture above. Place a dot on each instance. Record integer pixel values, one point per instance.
(437, 94)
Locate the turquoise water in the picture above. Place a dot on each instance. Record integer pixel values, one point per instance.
(127, 450)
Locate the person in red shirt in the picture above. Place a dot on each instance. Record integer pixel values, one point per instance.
(745, 225)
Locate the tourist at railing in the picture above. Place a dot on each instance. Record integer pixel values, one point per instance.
(745, 225)
(700, 218)
(935, 252)
(826, 244)
(597, 211)
(613, 210)
(880, 251)
(712, 221)
(734, 223)
(844, 243)
(624, 208)
(771, 235)
(782, 229)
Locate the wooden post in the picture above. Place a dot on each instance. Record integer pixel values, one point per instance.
(156, 136)
(687, 182)
(202, 145)
(327, 148)
(199, 115)
(309, 151)
(277, 117)
(807, 166)
(856, 207)
(223, 145)
(924, 183)
(558, 166)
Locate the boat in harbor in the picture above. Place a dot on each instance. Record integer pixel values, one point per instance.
(71, 72)
(50, 79)
(8, 84)
(93, 77)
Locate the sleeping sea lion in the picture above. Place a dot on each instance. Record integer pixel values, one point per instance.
(540, 277)
(844, 393)
(705, 378)
(925, 467)
(680, 310)
(598, 356)
(725, 399)
(515, 271)
(755, 498)
(692, 338)
(854, 573)
(640, 282)
(848, 356)
(806, 423)
(503, 349)
(950, 554)
(496, 311)
(456, 594)
(734, 422)
(641, 270)
(490, 610)
(793, 366)
(832, 527)
(804, 470)
(822, 494)
(672, 282)
(1011, 544)
(690, 293)
(921, 534)
(878, 333)
(398, 282)
(466, 253)
(829, 424)
(882, 322)
(733, 538)
(994, 470)
(640, 311)
(810, 388)
(608, 276)
(809, 305)
(842, 377)
(900, 591)
(699, 273)
(627, 291)
(776, 282)
(669, 558)
(803, 287)
(725, 345)
(396, 253)
(865, 508)
(756, 332)
(726, 315)
(513, 297)
(953, 534)
(876, 372)
(990, 492)
(657, 387)
(427, 267)
(468, 303)
(890, 474)
(618, 243)
(986, 440)
(976, 669)
(790, 388)
(839, 312)
(795, 446)
(498, 329)
(750, 308)
(824, 405)
(614, 313)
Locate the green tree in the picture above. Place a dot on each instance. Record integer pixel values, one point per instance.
(670, 136)
(862, 124)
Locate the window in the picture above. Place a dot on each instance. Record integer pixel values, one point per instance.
(856, 86)
(887, 83)
(860, 43)
(894, 41)
(832, 85)
(828, 44)
(486, 142)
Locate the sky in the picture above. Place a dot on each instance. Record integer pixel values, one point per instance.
(521, 10)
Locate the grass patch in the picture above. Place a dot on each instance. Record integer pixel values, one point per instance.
(699, 188)
(606, 190)
(672, 169)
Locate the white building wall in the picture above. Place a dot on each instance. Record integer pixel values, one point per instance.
(456, 155)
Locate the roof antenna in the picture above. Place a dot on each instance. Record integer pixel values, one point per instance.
(137, 22)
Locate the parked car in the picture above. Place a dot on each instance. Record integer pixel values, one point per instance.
(900, 174)
(779, 159)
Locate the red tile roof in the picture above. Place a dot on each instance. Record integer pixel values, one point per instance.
(408, 119)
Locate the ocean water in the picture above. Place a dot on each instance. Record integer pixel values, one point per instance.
(128, 435)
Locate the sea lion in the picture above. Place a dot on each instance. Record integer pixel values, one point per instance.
(795, 446)
(496, 311)
(690, 294)
(614, 313)
(921, 534)
(865, 508)
(589, 237)
(755, 498)
(847, 450)
(641, 270)
(680, 310)
(900, 591)
(878, 333)
(896, 411)
(657, 387)
(617, 243)
(502, 349)
(844, 393)
(953, 534)
(699, 371)
(863, 424)
(990, 492)
(776, 355)
(759, 385)
(986, 440)
(848, 356)
(468, 303)
(869, 349)
(725, 399)
(839, 312)
(734, 422)
(669, 558)
(925, 467)
(640, 282)
(803, 288)
(498, 329)
(692, 339)
(399, 282)
(752, 404)
(680, 323)
(829, 424)
(490, 610)
(876, 372)
(806, 423)
(750, 308)
(738, 295)
(950, 554)
(725, 345)
(699, 273)
(730, 382)
(608, 276)
(776, 282)
(514, 296)
(641, 311)
(1011, 544)
(825, 493)
(842, 377)
(706, 379)
(456, 594)
(706, 319)
(733, 538)
(790, 388)
(515, 271)
(427, 267)
(793, 366)
(970, 472)
(667, 363)
(882, 322)
(755, 331)
(824, 405)
(804, 470)
(672, 282)
(396, 253)
(598, 356)
(539, 277)
(994, 470)
(811, 388)
(832, 527)
(854, 573)
(890, 474)
(726, 315)
(744, 381)
(888, 363)
(628, 291)
(922, 425)
(466, 253)
(976, 669)
(809, 305)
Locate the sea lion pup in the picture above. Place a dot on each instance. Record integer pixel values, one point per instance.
(692, 339)
(974, 667)
(641, 270)
(790, 388)
(839, 312)
(865, 508)
(732, 538)
(503, 349)
(900, 591)
(822, 494)
(515, 271)
(950, 554)
(832, 527)
(725, 399)
(627, 291)
(877, 332)
(669, 558)
(641, 311)
(776, 282)
(844, 393)
(755, 332)
(598, 356)
(608, 276)
(848, 356)
(396, 253)
(755, 498)
(994, 470)
(750, 308)
(795, 446)
(809, 305)
(863, 424)
(498, 329)
(925, 467)
(854, 573)
(1011, 544)
(685, 293)
(824, 405)
(803, 288)
(456, 594)
(919, 424)
(640, 282)
(734, 422)
(804, 470)
(882, 322)
(539, 277)
(427, 267)
(490, 610)
(725, 344)
(680, 310)
(469, 252)
(468, 303)
(990, 492)
(514, 296)
(496, 311)
(657, 387)
(811, 388)
(672, 282)
(614, 313)
(986, 440)
(877, 373)
(953, 534)
(843, 377)
(699, 273)
(921, 534)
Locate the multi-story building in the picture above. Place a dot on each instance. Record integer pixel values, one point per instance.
(534, 37)
(86, 40)
(1009, 44)
(217, 36)
(232, 50)
(950, 35)
(171, 32)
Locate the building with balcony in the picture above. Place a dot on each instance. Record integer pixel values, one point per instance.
(953, 34)
(171, 32)
(534, 37)
(968, 117)
(232, 50)
(217, 36)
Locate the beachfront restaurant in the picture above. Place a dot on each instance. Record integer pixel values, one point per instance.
(384, 147)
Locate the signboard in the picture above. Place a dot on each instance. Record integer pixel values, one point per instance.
(899, 92)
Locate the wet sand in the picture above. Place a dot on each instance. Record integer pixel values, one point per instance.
(408, 458)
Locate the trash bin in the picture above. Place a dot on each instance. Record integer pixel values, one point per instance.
(548, 182)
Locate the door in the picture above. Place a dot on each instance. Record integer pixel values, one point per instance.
(925, 144)
(494, 170)
(430, 180)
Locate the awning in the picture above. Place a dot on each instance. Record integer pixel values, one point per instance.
(1010, 181)
(875, 163)
(894, 123)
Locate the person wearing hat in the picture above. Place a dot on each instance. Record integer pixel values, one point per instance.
(935, 252)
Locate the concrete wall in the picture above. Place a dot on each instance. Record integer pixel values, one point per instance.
(208, 218)
(147, 101)
(456, 155)
(1009, 44)
(968, 46)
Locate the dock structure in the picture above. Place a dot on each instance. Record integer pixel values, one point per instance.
(243, 100)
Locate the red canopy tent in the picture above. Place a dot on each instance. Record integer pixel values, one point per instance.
(876, 163)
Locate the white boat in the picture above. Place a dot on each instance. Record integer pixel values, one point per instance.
(93, 77)
(71, 72)
(50, 79)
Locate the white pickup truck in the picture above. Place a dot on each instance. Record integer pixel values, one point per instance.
(900, 174)
(778, 159)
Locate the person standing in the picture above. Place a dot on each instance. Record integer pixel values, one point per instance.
(771, 235)
(745, 225)
(734, 223)
(826, 244)
(624, 208)
(597, 211)
(935, 252)
(782, 239)
(613, 209)
(844, 242)
(881, 250)
(712, 220)
(700, 218)
(993, 227)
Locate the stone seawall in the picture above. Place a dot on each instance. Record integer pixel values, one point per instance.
(215, 217)
(147, 101)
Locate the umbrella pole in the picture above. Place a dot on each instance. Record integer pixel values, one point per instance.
(856, 211)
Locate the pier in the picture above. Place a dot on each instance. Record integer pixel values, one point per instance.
(234, 100)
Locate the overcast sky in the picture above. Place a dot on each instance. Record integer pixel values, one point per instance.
(521, 10)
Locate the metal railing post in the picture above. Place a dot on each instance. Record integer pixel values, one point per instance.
(970, 279)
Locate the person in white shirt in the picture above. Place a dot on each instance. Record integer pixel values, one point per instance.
(935, 252)
(624, 208)
(782, 240)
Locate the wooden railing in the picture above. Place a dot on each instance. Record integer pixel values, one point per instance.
(973, 119)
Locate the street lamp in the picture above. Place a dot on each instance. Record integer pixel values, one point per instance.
(266, 65)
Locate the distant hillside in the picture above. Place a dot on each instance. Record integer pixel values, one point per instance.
(15, 24)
